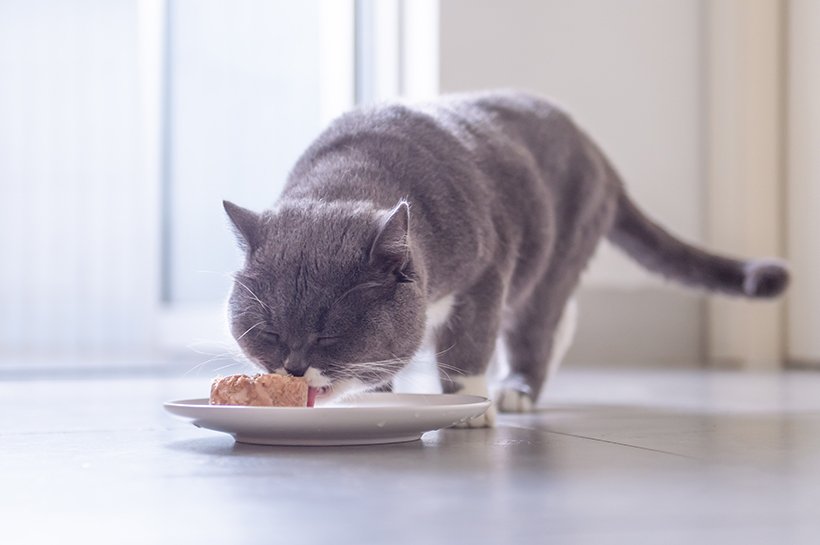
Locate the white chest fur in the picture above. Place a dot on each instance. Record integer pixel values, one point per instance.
(438, 312)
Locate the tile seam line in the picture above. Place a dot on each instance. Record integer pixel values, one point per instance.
(565, 434)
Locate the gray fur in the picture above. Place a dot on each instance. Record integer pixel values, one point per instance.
(508, 200)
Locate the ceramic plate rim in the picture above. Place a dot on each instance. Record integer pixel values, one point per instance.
(377, 418)
(469, 399)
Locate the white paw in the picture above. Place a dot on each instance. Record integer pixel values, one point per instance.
(486, 420)
(510, 400)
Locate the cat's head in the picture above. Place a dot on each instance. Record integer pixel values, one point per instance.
(328, 291)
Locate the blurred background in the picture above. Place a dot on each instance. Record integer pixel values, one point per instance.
(124, 123)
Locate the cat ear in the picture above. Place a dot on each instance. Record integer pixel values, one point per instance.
(391, 249)
(245, 225)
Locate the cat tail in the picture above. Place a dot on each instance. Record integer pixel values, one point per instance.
(659, 251)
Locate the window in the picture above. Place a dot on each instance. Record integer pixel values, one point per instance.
(125, 124)
(250, 85)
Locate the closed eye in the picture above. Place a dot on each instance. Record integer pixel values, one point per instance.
(327, 341)
(269, 336)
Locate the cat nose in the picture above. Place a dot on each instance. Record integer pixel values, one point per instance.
(295, 366)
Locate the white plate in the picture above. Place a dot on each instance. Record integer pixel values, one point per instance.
(369, 419)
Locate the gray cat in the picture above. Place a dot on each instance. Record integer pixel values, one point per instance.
(461, 222)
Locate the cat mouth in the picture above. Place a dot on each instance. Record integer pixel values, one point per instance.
(313, 393)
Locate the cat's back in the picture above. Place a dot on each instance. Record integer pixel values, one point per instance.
(457, 124)
(494, 113)
(513, 127)
(486, 172)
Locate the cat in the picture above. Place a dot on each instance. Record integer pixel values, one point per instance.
(459, 222)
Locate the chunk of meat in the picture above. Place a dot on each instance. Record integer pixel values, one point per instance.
(260, 391)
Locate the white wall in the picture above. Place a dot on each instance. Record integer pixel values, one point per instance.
(745, 170)
(630, 72)
(804, 181)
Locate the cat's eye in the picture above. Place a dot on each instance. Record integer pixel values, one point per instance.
(402, 277)
(327, 341)
(269, 336)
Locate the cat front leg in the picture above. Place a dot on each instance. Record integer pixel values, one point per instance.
(466, 341)
(476, 385)
(536, 340)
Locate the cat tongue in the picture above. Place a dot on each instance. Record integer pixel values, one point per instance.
(311, 400)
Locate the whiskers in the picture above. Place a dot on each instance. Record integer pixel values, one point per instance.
(223, 355)
(254, 326)
(369, 371)
(235, 278)
(225, 352)
(258, 300)
(412, 370)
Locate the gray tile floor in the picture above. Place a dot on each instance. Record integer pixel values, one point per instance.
(611, 457)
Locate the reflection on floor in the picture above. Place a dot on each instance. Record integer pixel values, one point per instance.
(629, 457)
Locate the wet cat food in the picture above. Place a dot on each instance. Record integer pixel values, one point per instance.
(260, 391)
